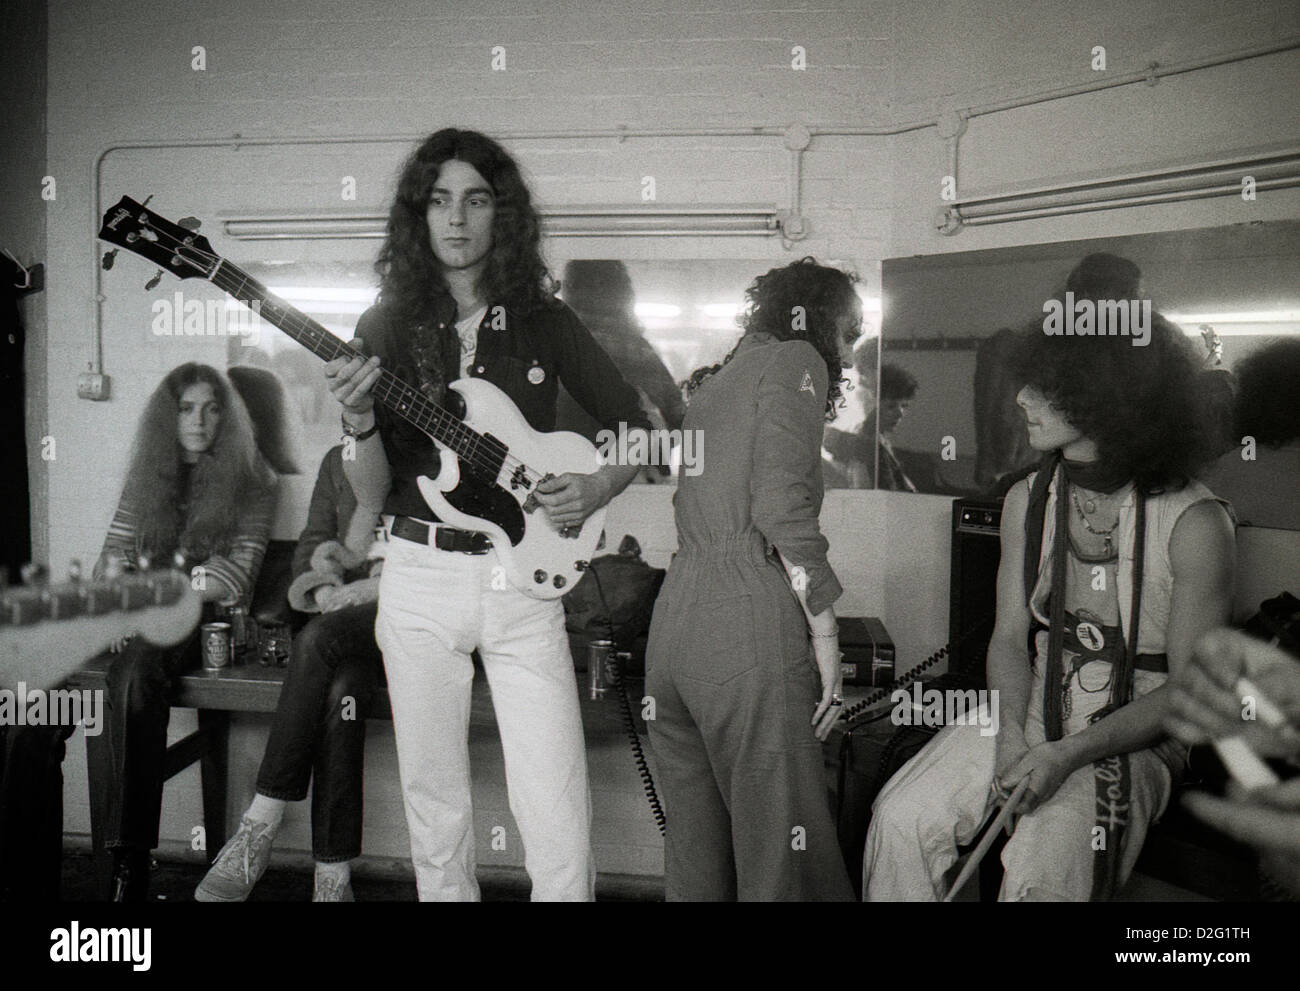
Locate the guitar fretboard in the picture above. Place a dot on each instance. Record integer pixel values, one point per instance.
(483, 454)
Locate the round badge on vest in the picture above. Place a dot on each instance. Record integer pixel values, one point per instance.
(536, 375)
(1090, 636)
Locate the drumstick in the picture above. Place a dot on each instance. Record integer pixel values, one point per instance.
(973, 862)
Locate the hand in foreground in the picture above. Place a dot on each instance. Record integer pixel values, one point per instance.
(570, 498)
(1205, 703)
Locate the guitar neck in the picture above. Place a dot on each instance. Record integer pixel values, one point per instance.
(397, 396)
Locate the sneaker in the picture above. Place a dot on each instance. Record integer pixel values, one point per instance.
(330, 889)
(240, 864)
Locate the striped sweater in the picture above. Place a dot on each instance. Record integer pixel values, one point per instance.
(236, 570)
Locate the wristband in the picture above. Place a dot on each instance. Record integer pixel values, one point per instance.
(351, 431)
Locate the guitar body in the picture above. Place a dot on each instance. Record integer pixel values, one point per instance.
(529, 545)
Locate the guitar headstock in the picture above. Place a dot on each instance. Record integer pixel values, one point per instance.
(183, 252)
(47, 631)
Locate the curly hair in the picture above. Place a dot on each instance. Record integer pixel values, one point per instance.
(1141, 406)
(410, 274)
(224, 477)
(825, 296)
(1267, 382)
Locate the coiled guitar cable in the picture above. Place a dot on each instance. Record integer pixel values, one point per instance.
(615, 670)
(862, 706)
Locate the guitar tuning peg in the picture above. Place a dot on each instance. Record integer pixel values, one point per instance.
(74, 570)
(178, 561)
(190, 223)
(147, 199)
(142, 562)
(155, 280)
(109, 258)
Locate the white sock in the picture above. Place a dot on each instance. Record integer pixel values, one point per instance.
(267, 810)
(342, 871)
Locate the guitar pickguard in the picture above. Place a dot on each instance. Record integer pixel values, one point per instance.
(488, 502)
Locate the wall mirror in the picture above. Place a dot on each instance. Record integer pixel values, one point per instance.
(946, 317)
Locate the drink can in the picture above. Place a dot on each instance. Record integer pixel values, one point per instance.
(216, 646)
(598, 654)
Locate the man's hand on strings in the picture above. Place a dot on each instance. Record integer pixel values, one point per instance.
(570, 498)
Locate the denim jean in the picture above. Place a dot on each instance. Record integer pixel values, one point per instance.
(319, 732)
(140, 681)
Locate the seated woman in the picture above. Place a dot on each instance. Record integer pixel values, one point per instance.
(198, 487)
(1115, 563)
(319, 732)
(198, 493)
(743, 661)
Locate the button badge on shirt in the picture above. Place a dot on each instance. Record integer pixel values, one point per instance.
(536, 375)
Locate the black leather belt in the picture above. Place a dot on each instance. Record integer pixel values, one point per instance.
(445, 538)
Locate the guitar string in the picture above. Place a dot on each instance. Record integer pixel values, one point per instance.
(423, 409)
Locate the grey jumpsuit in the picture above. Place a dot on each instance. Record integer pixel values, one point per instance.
(729, 665)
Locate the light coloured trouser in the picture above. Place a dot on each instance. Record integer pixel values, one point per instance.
(435, 607)
(938, 800)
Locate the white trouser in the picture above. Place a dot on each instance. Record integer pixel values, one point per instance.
(1094, 825)
(435, 607)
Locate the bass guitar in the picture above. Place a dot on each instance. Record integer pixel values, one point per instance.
(491, 460)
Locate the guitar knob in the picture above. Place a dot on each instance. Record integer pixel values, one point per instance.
(539, 576)
(559, 581)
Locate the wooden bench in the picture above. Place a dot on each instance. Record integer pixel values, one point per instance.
(215, 695)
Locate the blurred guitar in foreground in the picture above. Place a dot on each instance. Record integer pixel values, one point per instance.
(48, 631)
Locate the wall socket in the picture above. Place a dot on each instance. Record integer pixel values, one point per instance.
(93, 385)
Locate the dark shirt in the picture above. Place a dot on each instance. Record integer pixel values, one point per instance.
(330, 512)
(527, 360)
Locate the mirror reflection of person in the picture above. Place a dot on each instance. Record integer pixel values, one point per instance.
(853, 452)
(1262, 489)
(600, 291)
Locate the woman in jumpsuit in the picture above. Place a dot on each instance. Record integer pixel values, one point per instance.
(739, 705)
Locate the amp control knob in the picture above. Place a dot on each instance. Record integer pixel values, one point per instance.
(539, 576)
